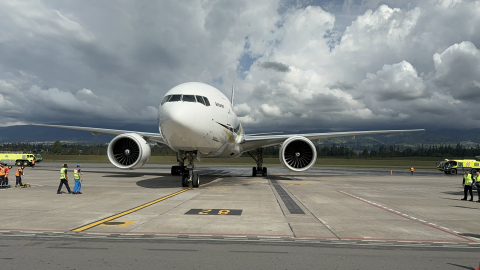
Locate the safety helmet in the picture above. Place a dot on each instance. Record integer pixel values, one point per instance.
(22, 167)
(78, 164)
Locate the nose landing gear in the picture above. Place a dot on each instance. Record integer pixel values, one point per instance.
(188, 176)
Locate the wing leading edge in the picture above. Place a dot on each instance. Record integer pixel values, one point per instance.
(255, 142)
(153, 137)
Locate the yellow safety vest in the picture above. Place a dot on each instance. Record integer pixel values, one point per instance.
(75, 173)
(468, 179)
(63, 173)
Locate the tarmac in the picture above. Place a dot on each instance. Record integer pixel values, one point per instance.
(354, 205)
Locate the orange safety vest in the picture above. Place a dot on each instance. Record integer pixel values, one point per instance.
(19, 171)
(7, 171)
(2, 171)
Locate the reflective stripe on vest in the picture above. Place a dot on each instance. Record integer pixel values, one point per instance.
(468, 179)
(2, 171)
(75, 173)
(63, 173)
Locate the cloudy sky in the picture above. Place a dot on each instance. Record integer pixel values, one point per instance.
(296, 65)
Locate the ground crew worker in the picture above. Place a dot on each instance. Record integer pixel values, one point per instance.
(467, 185)
(412, 170)
(78, 180)
(33, 163)
(477, 183)
(18, 176)
(7, 171)
(64, 180)
(2, 176)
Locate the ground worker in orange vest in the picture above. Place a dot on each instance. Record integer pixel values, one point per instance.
(412, 170)
(33, 163)
(2, 176)
(7, 171)
(18, 176)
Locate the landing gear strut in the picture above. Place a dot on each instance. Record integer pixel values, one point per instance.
(186, 171)
(258, 157)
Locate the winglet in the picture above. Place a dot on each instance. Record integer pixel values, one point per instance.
(233, 94)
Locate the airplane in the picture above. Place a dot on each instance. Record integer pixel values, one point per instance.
(196, 120)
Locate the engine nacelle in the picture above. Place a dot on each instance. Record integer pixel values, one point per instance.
(128, 151)
(298, 154)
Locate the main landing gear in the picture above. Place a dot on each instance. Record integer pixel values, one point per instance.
(188, 176)
(258, 157)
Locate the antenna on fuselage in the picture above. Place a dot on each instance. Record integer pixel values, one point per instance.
(233, 94)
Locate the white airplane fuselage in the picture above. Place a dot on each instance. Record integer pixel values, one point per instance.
(212, 129)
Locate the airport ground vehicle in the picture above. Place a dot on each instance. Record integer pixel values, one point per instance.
(452, 166)
(19, 158)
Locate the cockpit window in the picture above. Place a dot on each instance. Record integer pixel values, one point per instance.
(175, 98)
(165, 99)
(189, 98)
(200, 99)
(206, 101)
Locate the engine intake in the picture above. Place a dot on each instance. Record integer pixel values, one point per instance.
(128, 151)
(298, 154)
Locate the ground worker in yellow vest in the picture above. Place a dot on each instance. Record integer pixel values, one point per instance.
(77, 175)
(477, 183)
(64, 180)
(467, 185)
(18, 176)
(412, 170)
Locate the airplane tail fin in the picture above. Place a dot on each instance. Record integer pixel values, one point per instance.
(233, 94)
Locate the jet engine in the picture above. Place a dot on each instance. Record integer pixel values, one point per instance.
(128, 151)
(298, 154)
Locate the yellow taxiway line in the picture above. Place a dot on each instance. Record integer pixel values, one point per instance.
(96, 223)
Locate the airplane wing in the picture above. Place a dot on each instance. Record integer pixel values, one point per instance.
(254, 142)
(152, 137)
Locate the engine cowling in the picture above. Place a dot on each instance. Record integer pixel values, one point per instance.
(298, 154)
(128, 151)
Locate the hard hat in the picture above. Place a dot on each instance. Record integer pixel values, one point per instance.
(22, 167)
(78, 164)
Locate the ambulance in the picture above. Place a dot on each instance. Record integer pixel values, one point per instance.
(452, 166)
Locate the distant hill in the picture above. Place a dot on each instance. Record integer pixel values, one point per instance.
(30, 133)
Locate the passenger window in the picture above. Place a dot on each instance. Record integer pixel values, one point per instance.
(165, 99)
(189, 98)
(207, 103)
(200, 99)
(175, 98)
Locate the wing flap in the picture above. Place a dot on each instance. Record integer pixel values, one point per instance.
(153, 137)
(255, 142)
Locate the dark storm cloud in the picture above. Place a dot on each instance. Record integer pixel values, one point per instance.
(280, 67)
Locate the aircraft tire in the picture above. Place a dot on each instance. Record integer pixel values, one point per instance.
(174, 170)
(185, 180)
(196, 181)
(264, 171)
(254, 172)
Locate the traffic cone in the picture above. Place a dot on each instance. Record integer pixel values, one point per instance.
(478, 267)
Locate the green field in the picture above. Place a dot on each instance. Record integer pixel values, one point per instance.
(384, 163)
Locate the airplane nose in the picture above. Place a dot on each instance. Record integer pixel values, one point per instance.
(181, 122)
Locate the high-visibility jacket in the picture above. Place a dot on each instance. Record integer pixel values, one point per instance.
(63, 173)
(7, 171)
(19, 172)
(2, 171)
(75, 173)
(467, 179)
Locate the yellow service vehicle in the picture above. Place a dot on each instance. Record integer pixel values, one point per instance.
(19, 158)
(451, 166)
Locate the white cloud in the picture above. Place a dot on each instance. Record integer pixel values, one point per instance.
(406, 63)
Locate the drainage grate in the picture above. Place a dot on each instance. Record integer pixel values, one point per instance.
(292, 207)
